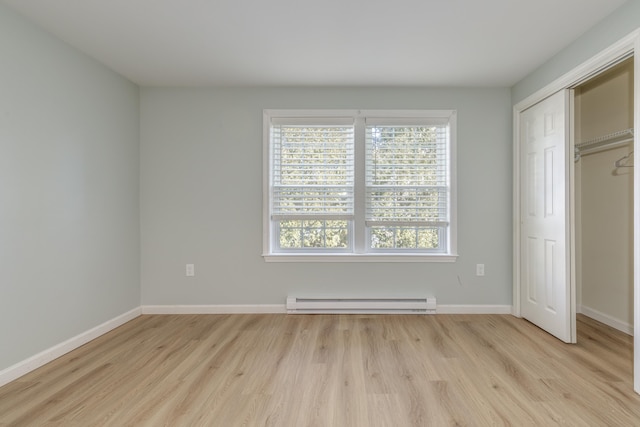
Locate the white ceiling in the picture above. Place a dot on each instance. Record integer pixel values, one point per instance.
(320, 42)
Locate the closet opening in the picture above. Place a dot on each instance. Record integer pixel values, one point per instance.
(603, 197)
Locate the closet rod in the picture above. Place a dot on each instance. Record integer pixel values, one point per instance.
(606, 141)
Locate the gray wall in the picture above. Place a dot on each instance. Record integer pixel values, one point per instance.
(201, 199)
(69, 163)
(620, 23)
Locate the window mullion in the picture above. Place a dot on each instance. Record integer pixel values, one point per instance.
(359, 227)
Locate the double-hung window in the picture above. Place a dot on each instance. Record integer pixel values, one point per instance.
(359, 185)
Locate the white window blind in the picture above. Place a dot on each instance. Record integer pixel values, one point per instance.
(407, 174)
(313, 171)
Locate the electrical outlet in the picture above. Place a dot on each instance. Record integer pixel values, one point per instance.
(479, 269)
(190, 270)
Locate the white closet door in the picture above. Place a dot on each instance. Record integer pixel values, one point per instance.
(545, 296)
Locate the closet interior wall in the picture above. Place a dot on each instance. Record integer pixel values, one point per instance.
(604, 200)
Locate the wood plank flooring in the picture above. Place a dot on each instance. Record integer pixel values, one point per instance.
(332, 370)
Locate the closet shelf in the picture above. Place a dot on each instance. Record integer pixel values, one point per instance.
(605, 141)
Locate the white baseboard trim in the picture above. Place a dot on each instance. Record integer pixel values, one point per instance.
(474, 309)
(213, 309)
(606, 319)
(21, 368)
(280, 308)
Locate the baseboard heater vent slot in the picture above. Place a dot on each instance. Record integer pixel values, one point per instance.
(297, 305)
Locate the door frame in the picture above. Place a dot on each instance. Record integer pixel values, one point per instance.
(614, 54)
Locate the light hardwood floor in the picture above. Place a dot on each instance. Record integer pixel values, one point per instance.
(332, 370)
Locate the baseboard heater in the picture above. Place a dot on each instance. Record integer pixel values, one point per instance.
(298, 305)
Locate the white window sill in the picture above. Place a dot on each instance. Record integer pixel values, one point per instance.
(360, 258)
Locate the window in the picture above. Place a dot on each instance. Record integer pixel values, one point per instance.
(359, 185)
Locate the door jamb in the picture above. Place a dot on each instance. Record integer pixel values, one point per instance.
(624, 48)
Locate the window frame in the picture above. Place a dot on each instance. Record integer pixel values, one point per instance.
(360, 232)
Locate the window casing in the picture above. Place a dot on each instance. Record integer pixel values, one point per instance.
(359, 185)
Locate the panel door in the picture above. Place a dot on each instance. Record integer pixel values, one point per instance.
(545, 286)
